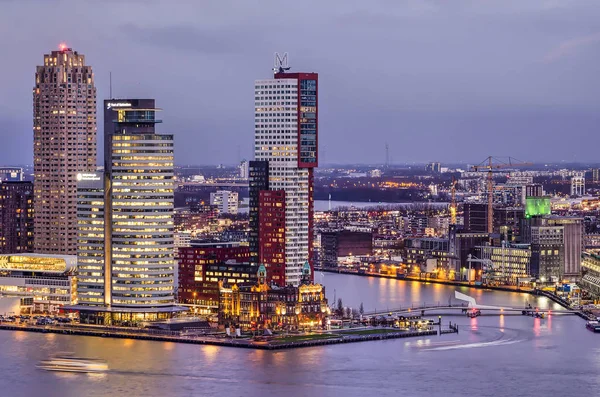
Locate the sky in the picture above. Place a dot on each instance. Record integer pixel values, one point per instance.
(437, 80)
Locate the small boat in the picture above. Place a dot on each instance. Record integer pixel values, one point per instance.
(593, 326)
(68, 363)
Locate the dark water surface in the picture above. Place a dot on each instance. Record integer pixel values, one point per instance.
(508, 355)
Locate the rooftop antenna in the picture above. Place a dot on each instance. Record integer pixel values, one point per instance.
(281, 63)
(110, 85)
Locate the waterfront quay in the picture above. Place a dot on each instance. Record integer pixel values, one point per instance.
(584, 314)
(275, 342)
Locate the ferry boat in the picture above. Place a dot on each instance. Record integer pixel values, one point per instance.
(593, 326)
(68, 363)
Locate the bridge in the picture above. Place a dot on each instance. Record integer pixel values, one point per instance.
(467, 302)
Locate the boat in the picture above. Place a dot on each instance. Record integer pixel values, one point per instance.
(68, 363)
(593, 326)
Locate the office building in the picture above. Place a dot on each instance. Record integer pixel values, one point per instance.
(258, 180)
(507, 222)
(204, 265)
(475, 217)
(436, 168)
(510, 264)
(461, 243)
(226, 201)
(534, 190)
(595, 175)
(11, 174)
(244, 169)
(135, 281)
(338, 244)
(547, 253)
(418, 250)
(44, 283)
(64, 145)
(286, 137)
(578, 185)
(16, 217)
(573, 244)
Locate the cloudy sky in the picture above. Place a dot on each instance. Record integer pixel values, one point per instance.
(435, 79)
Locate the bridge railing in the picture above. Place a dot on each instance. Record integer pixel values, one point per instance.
(416, 306)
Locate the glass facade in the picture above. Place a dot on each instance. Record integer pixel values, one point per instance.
(308, 121)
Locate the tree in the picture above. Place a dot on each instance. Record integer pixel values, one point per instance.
(340, 307)
(361, 309)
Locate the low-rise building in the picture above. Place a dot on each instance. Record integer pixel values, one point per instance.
(263, 306)
(44, 282)
(591, 272)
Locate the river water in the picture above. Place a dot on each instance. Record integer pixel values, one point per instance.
(510, 355)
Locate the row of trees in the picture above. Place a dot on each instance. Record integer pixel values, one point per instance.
(348, 312)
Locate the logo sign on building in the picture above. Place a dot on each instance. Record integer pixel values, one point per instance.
(88, 177)
(111, 105)
(281, 63)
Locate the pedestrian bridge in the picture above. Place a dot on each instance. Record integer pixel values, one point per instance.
(466, 302)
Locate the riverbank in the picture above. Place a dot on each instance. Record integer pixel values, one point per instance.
(431, 280)
(531, 291)
(276, 343)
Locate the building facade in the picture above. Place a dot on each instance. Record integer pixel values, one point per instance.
(204, 265)
(268, 306)
(64, 145)
(16, 217)
(475, 217)
(11, 174)
(547, 253)
(45, 283)
(286, 140)
(226, 201)
(138, 269)
(343, 243)
(591, 272)
(511, 264)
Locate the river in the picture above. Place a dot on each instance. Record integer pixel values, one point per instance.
(510, 355)
(325, 205)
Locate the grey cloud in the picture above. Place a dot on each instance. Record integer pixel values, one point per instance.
(436, 79)
(568, 47)
(182, 37)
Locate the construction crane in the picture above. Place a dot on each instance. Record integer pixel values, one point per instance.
(453, 202)
(490, 164)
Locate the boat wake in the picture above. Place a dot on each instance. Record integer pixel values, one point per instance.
(477, 345)
(499, 337)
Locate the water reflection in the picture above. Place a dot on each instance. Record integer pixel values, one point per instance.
(508, 352)
(211, 353)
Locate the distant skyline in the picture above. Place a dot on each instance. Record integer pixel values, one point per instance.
(436, 80)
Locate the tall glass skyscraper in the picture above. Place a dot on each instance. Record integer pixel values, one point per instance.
(64, 145)
(138, 268)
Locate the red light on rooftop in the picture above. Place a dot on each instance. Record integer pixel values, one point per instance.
(62, 46)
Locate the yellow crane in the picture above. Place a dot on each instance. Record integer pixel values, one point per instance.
(453, 202)
(490, 164)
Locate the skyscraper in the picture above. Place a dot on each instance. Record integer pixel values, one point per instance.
(16, 217)
(64, 145)
(134, 278)
(286, 139)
